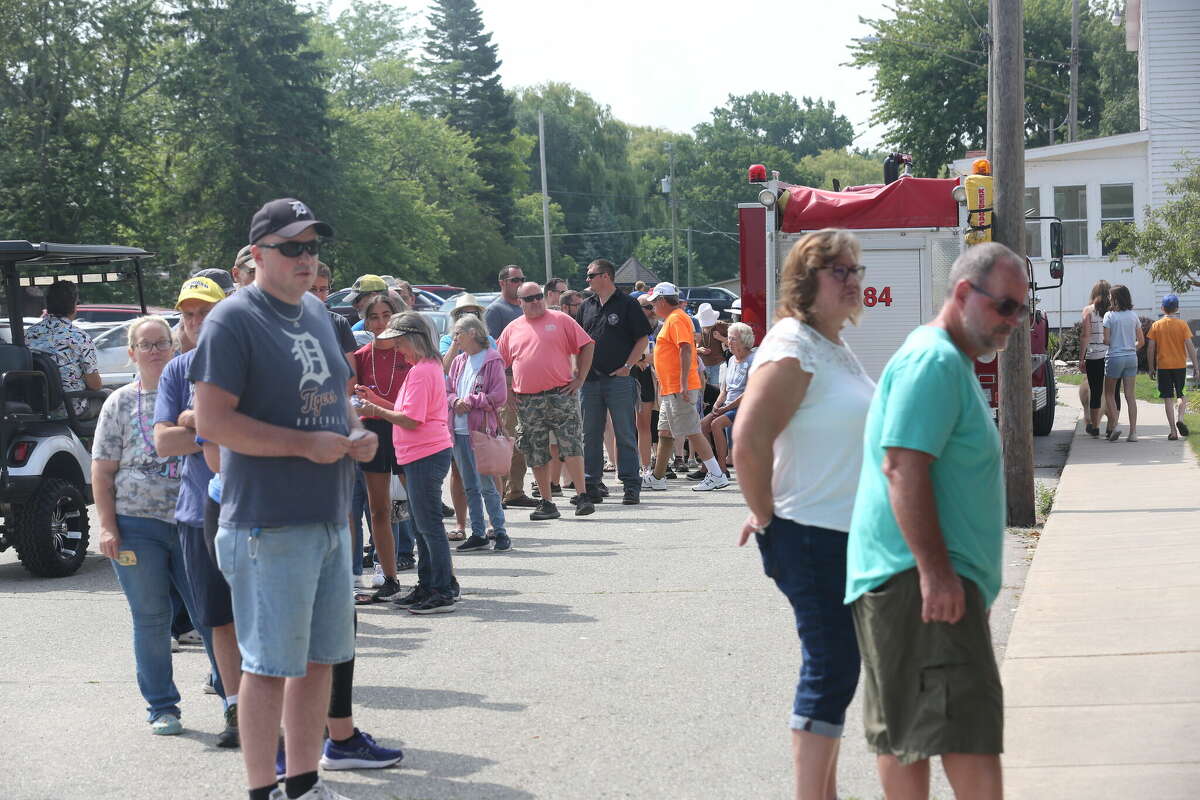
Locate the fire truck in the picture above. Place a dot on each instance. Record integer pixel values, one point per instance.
(911, 230)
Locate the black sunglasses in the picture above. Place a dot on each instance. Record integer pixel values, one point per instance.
(1006, 307)
(531, 298)
(591, 275)
(293, 249)
(516, 279)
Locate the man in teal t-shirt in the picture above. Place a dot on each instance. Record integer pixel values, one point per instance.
(924, 556)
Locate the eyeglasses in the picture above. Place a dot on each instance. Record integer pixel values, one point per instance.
(516, 279)
(648, 309)
(843, 273)
(162, 346)
(531, 298)
(1005, 307)
(293, 249)
(591, 275)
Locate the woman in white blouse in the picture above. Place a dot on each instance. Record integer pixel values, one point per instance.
(798, 447)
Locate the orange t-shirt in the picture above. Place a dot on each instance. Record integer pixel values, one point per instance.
(1170, 335)
(676, 330)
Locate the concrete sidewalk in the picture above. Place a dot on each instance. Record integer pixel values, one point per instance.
(1102, 669)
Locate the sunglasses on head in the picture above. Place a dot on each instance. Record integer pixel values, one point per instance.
(531, 298)
(1006, 307)
(293, 249)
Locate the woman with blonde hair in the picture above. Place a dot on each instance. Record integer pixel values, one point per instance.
(798, 447)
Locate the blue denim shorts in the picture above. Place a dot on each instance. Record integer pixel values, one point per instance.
(1123, 366)
(808, 564)
(293, 596)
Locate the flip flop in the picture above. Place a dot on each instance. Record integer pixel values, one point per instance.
(1172, 437)
(1113, 435)
(456, 536)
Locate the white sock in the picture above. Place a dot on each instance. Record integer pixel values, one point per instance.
(230, 700)
(711, 465)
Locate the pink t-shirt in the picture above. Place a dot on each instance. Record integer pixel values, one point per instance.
(423, 398)
(539, 351)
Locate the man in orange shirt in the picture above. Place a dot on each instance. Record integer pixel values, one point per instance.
(1170, 341)
(675, 357)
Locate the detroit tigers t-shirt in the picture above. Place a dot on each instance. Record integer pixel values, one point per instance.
(286, 367)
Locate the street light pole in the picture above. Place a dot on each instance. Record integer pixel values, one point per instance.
(671, 198)
(545, 193)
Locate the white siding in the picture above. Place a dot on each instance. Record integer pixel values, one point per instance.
(1170, 60)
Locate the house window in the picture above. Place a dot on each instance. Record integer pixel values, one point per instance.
(1033, 230)
(1116, 205)
(1070, 205)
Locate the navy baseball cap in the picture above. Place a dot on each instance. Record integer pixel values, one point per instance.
(285, 217)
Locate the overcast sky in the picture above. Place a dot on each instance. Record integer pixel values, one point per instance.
(668, 63)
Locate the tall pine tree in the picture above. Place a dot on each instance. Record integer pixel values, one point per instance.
(462, 85)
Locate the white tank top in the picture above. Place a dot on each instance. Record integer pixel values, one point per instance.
(1096, 348)
(819, 454)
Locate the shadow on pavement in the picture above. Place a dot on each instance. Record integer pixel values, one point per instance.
(393, 697)
(94, 576)
(429, 774)
(490, 610)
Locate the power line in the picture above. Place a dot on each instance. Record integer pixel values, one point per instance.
(633, 230)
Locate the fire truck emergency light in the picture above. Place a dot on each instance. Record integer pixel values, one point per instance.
(757, 173)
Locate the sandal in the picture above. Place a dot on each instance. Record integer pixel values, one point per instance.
(456, 535)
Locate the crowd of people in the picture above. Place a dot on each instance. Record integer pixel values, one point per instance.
(236, 470)
(233, 475)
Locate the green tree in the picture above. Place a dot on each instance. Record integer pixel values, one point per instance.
(462, 84)
(366, 54)
(529, 245)
(245, 119)
(930, 82)
(848, 167)
(1168, 242)
(654, 251)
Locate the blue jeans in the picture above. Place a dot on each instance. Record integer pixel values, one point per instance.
(292, 598)
(480, 490)
(147, 586)
(618, 396)
(425, 477)
(808, 564)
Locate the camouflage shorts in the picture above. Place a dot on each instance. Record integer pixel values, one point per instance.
(538, 415)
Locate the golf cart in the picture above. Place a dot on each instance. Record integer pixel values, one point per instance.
(45, 447)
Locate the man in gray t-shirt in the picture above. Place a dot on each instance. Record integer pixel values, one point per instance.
(497, 316)
(271, 383)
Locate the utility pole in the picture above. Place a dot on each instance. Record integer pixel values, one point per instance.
(1008, 167)
(1073, 106)
(545, 193)
(689, 254)
(671, 199)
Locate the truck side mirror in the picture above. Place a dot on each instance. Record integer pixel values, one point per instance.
(1056, 242)
(1056, 269)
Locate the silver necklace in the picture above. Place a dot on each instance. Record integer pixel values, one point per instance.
(294, 321)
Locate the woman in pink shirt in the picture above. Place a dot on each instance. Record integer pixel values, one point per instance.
(421, 440)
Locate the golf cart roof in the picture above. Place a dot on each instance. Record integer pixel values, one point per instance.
(48, 254)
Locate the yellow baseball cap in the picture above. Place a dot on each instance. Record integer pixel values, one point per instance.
(204, 289)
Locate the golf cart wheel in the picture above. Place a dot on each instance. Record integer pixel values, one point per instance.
(52, 530)
(1043, 421)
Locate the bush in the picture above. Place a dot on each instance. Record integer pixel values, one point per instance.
(1068, 338)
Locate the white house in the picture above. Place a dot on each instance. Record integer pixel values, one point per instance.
(1114, 178)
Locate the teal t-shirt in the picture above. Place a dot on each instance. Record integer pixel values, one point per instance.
(929, 399)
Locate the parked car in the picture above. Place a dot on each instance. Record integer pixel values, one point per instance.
(113, 312)
(483, 298)
(720, 299)
(336, 302)
(442, 290)
(112, 353)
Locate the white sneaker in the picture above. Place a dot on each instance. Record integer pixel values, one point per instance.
(321, 792)
(711, 482)
(191, 637)
(655, 484)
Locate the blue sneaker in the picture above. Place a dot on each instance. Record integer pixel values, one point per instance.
(360, 752)
(280, 762)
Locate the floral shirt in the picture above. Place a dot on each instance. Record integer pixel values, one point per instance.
(73, 351)
(146, 484)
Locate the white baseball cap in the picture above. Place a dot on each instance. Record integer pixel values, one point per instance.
(663, 289)
(707, 315)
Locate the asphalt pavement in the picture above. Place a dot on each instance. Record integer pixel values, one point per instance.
(635, 653)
